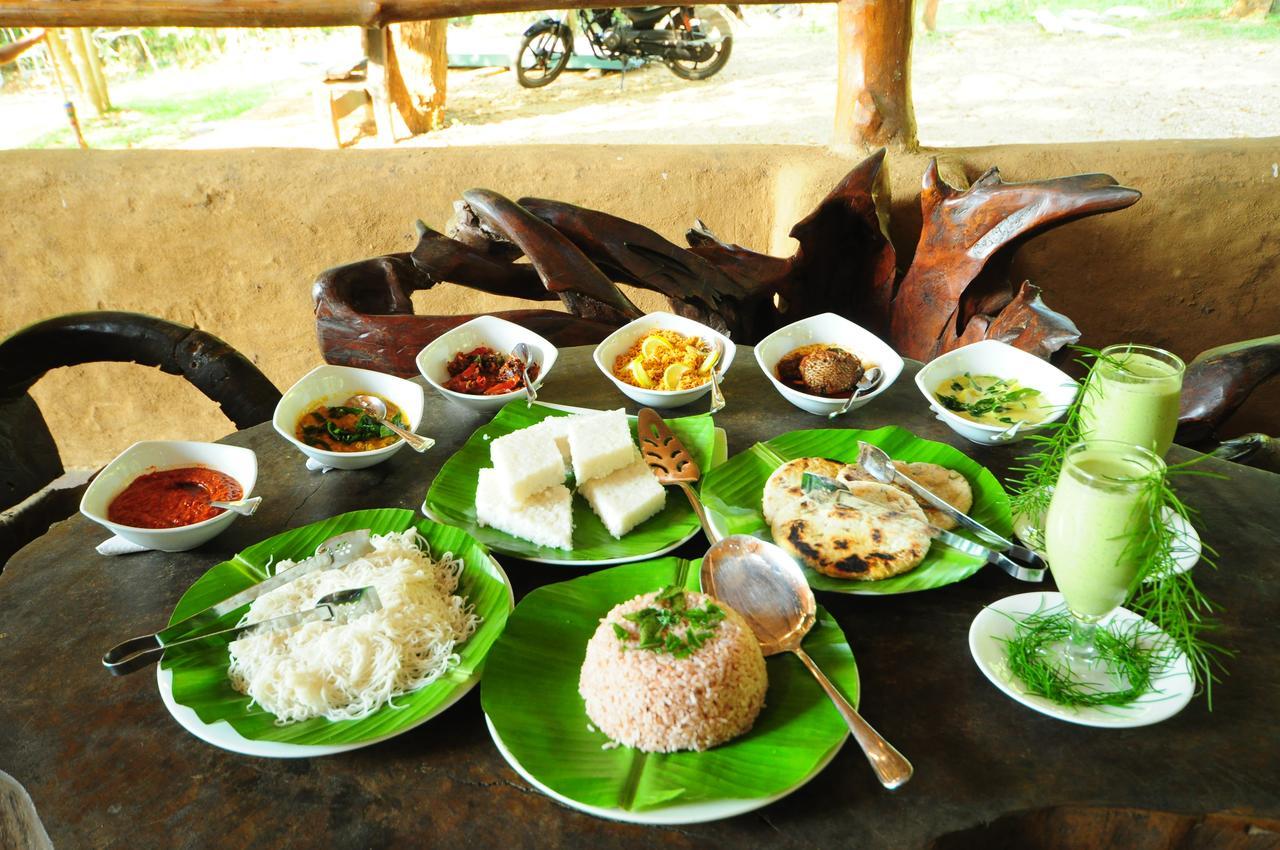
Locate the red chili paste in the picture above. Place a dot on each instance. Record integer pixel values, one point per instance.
(484, 371)
(173, 498)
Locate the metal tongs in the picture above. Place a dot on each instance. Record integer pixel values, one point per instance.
(1017, 561)
(138, 652)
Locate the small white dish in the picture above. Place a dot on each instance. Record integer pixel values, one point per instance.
(996, 622)
(670, 815)
(491, 331)
(155, 455)
(833, 330)
(334, 384)
(627, 335)
(992, 357)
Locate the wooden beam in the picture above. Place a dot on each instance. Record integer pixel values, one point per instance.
(261, 13)
(873, 74)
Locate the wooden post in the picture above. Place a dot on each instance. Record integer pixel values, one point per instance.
(377, 48)
(84, 70)
(95, 65)
(417, 66)
(873, 82)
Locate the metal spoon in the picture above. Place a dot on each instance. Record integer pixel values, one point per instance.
(869, 381)
(523, 352)
(712, 365)
(376, 408)
(355, 602)
(244, 507)
(762, 583)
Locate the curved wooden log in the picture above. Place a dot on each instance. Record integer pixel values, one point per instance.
(632, 253)
(364, 316)
(444, 260)
(967, 242)
(1024, 322)
(223, 374)
(563, 268)
(1219, 380)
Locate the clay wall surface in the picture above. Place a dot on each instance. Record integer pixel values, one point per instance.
(231, 240)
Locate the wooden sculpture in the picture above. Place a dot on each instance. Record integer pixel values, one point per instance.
(1216, 383)
(957, 290)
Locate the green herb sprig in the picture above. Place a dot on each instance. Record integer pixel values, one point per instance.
(1134, 655)
(656, 626)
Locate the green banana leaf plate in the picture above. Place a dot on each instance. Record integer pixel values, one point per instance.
(538, 720)
(451, 498)
(198, 692)
(732, 493)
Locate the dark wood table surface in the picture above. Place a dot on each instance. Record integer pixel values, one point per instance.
(108, 767)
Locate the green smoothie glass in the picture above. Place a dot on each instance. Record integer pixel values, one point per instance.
(1133, 396)
(1095, 532)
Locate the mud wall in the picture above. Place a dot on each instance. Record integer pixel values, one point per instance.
(231, 240)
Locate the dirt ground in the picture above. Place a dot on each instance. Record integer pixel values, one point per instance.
(973, 86)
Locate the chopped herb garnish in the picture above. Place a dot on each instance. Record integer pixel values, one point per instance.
(657, 626)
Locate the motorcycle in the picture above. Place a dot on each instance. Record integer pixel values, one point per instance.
(693, 46)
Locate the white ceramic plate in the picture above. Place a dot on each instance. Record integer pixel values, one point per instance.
(719, 453)
(1173, 688)
(671, 815)
(221, 734)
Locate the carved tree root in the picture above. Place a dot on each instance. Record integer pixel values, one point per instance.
(1219, 380)
(961, 269)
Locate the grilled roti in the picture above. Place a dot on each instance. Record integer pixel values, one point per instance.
(874, 532)
(947, 484)
(782, 492)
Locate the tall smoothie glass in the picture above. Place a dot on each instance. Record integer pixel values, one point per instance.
(1133, 397)
(1095, 532)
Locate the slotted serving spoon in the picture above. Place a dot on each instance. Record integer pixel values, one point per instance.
(765, 585)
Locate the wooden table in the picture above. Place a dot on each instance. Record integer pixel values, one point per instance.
(107, 766)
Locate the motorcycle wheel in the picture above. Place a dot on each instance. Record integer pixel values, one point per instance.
(713, 23)
(541, 58)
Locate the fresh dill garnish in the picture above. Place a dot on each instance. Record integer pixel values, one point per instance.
(656, 625)
(1133, 655)
(1168, 599)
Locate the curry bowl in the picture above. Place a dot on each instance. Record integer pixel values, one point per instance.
(834, 330)
(617, 343)
(492, 332)
(329, 385)
(992, 357)
(157, 456)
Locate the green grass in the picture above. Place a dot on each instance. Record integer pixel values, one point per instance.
(1192, 17)
(160, 122)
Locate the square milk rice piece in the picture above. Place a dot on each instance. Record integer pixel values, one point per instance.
(545, 519)
(557, 427)
(600, 444)
(626, 497)
(526, 462)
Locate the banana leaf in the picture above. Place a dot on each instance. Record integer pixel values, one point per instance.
(734, 491)
(530, 693)
(452, 496)
(200, 679)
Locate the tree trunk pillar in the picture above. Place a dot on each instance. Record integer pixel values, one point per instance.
(418, 66)
(873, 82)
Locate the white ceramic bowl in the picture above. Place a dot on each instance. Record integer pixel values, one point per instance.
(833, 330)
(991, 357)
(498, 334)
(157, 455)
(627, 335)
(334, 384)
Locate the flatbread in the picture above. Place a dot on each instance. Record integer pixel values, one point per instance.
(782, 492)
(872, 533)
(947, 484)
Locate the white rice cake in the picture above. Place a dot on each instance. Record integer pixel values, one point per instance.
(557, 427)
(600, 444)
(526, 462)
(545, 519)
(626, 497)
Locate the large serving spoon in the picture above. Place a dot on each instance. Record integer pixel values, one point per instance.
(377, 408)
(523, 352)
(762, 583)
(353, 603)
(868, 382)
